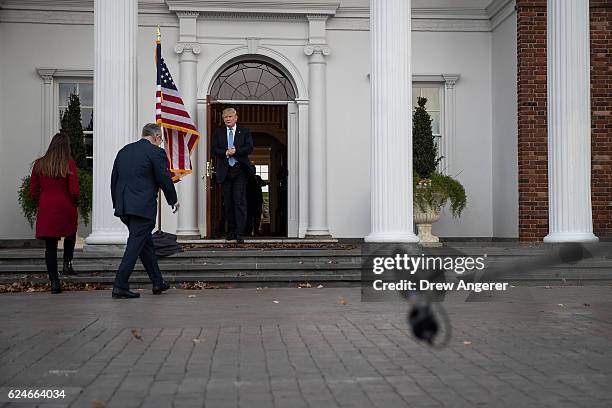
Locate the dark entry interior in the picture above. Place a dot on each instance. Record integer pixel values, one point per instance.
(268, 125)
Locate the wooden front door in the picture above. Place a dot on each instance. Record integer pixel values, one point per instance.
(268, 125)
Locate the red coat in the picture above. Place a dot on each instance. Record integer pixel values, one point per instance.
(57, 213)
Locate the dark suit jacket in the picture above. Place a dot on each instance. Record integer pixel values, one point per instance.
(243, 142)
(140, 169)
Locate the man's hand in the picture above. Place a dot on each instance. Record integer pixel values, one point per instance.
(232, 151)
(175, 208)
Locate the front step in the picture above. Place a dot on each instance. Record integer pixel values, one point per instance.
(301, 262)
(215, 265)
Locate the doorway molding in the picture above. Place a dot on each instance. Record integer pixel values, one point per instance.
(297, 133)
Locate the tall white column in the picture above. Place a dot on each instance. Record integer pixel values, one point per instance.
(391, 94)
(569, 122)
(115, 107)
(317, 50)
(187, 226)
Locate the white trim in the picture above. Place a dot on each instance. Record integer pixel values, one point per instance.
(448, 123)
(249, 6)
(234, 54)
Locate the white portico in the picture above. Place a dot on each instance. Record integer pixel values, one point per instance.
(335, 144)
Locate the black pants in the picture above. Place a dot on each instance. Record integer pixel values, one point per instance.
(234, 199)
(51, 254)
(139, 245)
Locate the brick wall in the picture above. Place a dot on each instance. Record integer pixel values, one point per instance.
(532, 105)
(601, 119)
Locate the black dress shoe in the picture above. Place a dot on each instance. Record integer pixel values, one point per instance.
(56, 287)
(67, 269)
(158, 289)
(124, 294)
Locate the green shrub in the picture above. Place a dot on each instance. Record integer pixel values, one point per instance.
(29, 206)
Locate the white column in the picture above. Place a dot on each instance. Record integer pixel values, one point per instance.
(47, 106)
(187, 226)
(317, 141)
(569, 122)
(391, 93)
(115, 107)
(303, 165)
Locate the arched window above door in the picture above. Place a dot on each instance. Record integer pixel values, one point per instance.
(252, 80)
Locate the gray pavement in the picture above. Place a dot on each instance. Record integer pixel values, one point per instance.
(305, 348)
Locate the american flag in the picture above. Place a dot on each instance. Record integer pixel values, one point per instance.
(180, 134)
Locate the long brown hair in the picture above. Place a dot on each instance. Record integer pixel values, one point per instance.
(55, 162)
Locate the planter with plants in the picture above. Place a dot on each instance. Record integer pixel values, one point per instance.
(432, 190)
(71, 125)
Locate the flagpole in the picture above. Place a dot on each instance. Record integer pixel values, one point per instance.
(159, 215)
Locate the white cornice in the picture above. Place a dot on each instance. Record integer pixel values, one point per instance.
(255, 6)
(80, 12)
(500, 10)
(65, 72)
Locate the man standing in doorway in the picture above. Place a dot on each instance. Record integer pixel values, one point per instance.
(139, 171)
(232, 146)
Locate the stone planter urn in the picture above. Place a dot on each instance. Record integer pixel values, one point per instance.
(423, 221)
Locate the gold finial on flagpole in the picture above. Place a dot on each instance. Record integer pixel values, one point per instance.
(158, 32)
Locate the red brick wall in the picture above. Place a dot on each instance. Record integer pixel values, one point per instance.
(601, 119)
(532, 133)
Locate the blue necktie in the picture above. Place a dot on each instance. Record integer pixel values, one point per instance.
(230, 143)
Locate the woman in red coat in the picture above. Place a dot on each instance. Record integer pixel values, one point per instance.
(55, 185)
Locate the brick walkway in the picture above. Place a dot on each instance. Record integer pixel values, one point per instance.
(314, 348)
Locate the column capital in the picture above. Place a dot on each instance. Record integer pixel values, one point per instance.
(189, 46)
(451, 80)
(317, 49)
(187, 14)
(46, 74)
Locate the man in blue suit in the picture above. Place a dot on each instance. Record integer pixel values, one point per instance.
(232, 146)
(140, 169)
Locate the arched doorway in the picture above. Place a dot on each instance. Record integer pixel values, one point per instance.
(262, 94)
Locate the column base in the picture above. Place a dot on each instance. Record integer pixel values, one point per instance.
(112, 237)
(192, 233)
(318, 233)
(557, 237)
(392, 237)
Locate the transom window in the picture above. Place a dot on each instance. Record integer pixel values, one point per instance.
(433, 95)
(252, 81)
(83, 88)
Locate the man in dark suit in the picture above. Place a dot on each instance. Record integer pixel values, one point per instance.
(140, 169)
(232, 146)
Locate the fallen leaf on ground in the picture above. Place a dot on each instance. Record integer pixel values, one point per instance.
(97, 404)
(466, 343)
(343, 301)
(561, 305)
(136, 334)
(319, 287)
(276, 301)
(191, 296)
(197, 340)
(304, 285)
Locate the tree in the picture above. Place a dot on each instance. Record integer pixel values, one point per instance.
(424, 147)
(71, 126)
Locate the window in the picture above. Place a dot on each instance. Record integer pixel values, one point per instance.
(83, 88)
(263, 171)
(252, 81)
(433, 93)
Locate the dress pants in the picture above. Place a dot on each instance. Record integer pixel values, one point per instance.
(139, 245)
(234, 199)
(51, 254)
